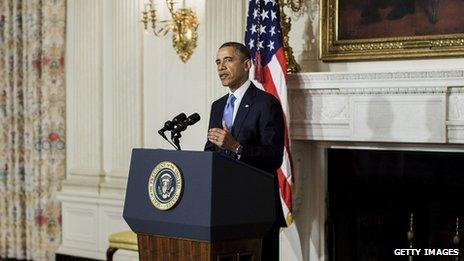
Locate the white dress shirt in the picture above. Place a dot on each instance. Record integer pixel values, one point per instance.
(239, 93)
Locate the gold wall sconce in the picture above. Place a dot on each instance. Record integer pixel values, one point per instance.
(183, 23)
(286, 25)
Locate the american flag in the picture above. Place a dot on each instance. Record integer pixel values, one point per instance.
(264, 40)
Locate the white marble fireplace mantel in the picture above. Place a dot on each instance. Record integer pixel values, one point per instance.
(414, 106)
(412, 110)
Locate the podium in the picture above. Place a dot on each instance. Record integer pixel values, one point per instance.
(192, 205)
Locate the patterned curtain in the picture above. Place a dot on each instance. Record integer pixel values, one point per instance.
(32, 125)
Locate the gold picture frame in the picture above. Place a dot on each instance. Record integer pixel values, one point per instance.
(336, 44)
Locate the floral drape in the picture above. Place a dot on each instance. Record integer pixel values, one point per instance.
(32, 125)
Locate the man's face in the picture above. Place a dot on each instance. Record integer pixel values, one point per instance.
(232, 67)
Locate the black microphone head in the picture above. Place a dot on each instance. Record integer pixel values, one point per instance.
(181, 126)
(194, 118)
(179, 118)
(168, 125)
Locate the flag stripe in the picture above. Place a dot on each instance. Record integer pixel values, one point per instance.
(284, 172)
(269, 83)
(281, 58)
(285, 191)
(277, 76)
(264, 40)
(286, 167)
(277, 68)
(280, 81)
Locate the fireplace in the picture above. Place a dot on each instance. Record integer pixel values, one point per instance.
(397, 127)
(375, 197)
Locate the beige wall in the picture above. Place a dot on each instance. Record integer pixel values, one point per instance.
(172, 87)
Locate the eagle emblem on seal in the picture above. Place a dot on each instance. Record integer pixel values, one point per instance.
(165, 185)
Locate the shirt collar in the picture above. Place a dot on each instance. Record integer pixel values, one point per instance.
(240, 92)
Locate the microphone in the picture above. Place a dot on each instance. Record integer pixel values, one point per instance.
(179, 118)
(176, 126)
(192, 119)
(169, 125)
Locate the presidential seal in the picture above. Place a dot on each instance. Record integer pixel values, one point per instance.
(165, 185)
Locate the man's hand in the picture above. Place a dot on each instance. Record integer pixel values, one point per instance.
(222, 138)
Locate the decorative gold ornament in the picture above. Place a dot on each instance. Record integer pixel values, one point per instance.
(184, 24)
(286, 26)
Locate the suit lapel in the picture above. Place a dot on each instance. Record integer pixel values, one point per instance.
(219, 113)
(243, 110)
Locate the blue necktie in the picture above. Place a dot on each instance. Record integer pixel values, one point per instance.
(228, 115)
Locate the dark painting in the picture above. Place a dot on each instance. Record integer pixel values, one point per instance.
(367, 19)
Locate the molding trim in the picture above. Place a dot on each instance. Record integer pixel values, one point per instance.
(455, 130)
(456, 89)
(87, 222)
(377, 91)
(321, 105)
(377, 79)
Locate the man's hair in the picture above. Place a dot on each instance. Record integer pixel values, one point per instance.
(241, 48)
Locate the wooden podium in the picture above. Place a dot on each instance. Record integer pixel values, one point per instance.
(172, 249)
(223, 210)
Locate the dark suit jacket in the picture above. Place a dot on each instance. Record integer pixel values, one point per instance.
(259, 128)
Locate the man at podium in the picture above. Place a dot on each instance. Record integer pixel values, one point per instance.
(248, 125)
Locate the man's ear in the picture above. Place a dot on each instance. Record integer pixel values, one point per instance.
(248, 64)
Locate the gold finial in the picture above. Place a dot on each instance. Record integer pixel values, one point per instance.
(456, 237)
(411, 233)
(411, 230)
